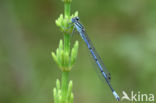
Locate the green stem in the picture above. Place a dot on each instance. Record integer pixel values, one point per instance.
(65, 78)
(65, 74)
(67, 43)
(67, 36)
(67, 9)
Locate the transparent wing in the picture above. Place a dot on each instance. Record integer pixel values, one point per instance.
(95, 54)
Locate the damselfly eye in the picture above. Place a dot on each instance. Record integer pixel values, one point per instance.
(77, 18)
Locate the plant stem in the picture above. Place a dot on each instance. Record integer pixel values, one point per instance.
(65, 74)
(67, 9)
(65, 78)
(64, 58)
(67, 36)
(67, 43)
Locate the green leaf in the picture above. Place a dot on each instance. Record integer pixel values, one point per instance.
(58, 84)
(55, 95)
(74, 53)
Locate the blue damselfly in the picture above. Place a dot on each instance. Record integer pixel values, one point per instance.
(95, 55)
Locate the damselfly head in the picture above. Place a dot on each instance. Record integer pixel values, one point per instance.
(74, 19)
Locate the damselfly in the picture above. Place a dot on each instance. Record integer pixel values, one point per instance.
(95, 55)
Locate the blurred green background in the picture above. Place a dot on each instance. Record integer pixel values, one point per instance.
(123, 32)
